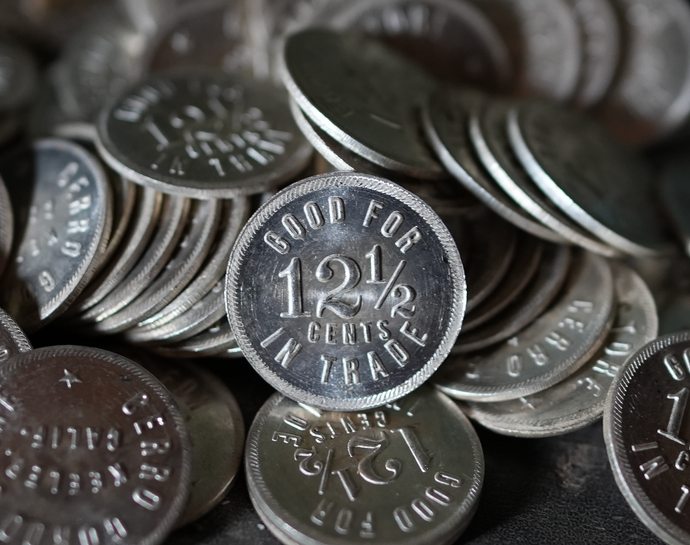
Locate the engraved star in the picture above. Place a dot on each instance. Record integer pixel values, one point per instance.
(69, 378)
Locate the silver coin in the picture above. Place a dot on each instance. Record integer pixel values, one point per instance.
(445, 117)
(13, 340)
(152, 262)
(6, 226)
(81, 131)
(62, 224)
(362, 94)
(579, 400)
(18, 76)
(216, 429)
(488, 133)
(409, 472)
(215, 340)
(596, 181)
(295, 291)
(646, 432)
(601, 48)
(103, 448)
(184, 263)
(651, 94)
(550, 349)
(203, 136)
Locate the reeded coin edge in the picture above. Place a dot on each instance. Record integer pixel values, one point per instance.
(456, 302)
(15, 332)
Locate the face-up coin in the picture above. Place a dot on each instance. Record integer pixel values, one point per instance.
(203, 136)
(406, 473)
(101, 456)
(61, 226)
(550, 349)
(18, 76)
(13, 341)
(345, 291)
(646, 432)
(579, 400)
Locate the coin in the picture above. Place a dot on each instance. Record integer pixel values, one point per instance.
(547, 351)
(409, 472)
(579, 400)
(60, 227)
(217, 339)
(18, 76)
(13, 340)
(203, 136)
(330, 271)
(101, 455)
(596, 181)
(646, 434)
(364, 95)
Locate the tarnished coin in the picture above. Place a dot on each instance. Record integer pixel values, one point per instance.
(579, 400)
(595, 180)
(61, 225)
(202, 135)
(18, 76)
(364, 95)
(646, 435)
(550, 349)
(407, 473)
(345, 291)
(13, 341)
(102, 455)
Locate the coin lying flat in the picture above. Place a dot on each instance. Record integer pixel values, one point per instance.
(547, 351)
(334, 288)
(202, 135)
(579, 400)
(646, 435)
(409, 472)
(60, 227)
(13, 340)
(101, 456)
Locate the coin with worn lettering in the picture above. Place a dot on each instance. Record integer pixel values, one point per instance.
(13, 340)
(547, 351)
(579, 400)
(60, 227)
(364, 95)
(646, 433)
(18, 76)
(408, 473)
(202, 135)
(595, 180)
(102, 455)
(345, 291)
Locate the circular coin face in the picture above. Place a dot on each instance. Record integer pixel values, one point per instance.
(345, 291)
(406, 473)
(202, 136)
(101, 455)
(646, 430)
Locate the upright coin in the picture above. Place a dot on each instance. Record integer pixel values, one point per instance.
(407, 473)
(646, 434)
(345, 291)
(13, 341)
(101, 456)
(202, 135)
(61, 226)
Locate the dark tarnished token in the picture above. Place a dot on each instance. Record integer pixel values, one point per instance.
(647, 432)
(202, 136)
(102, 455)
(407, 473)
(345, 291)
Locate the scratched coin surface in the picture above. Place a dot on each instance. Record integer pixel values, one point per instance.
(579, 400)
(409, 472)
(13, 340)
(547, 351)
(60, 227)
(345, 291)
(646, 432)
(101, 456)
(202, 136)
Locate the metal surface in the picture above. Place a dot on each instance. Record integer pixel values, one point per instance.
(13, 340)
(6, 226)
(213, 341)
(333, 270)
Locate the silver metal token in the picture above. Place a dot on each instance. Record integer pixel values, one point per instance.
(202, 135)
(646, 433)
(550, 349)
(215, 340)
(362, 94)
(101, 444)
(407, 473)
(61, 225)
(346, 272)
(595, 180)
(18, 76)
(13, 340)
(579, 400)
